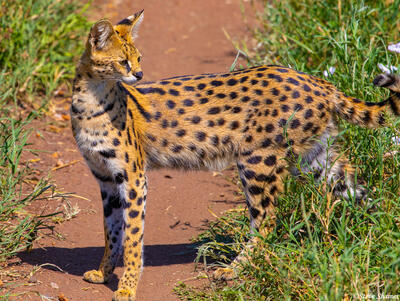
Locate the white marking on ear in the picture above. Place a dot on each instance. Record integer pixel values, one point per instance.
(131, 18)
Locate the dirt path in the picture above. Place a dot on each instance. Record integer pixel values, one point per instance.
(177, 37)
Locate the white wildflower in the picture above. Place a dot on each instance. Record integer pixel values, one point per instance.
(396, 140)
(387, 69)
(329, 72)
(394, 47)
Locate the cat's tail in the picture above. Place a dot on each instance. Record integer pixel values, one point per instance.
(370, 114)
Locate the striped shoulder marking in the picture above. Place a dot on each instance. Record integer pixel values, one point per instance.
(142, 111)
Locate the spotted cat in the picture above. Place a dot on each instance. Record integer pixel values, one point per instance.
(263, 119)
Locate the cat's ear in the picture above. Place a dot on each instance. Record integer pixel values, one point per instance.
(128, 28)
(101, 35)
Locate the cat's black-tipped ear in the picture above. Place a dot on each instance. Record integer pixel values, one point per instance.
(100, 34)
(128, 28)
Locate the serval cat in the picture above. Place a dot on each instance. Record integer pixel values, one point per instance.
(261, 119)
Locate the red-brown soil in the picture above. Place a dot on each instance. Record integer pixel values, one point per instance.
(176, 37)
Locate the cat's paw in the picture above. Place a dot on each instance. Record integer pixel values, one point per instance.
(225, 273)
(124, 294)
(94, 276)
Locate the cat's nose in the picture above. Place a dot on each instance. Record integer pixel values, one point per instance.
(139, 75)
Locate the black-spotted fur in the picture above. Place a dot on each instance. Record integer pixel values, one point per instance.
(263, 119)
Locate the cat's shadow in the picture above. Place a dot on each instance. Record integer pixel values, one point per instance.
(77, 261)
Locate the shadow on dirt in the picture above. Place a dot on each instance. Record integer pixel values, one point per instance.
(76, 261)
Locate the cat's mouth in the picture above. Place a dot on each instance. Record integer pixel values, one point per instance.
(129, 80)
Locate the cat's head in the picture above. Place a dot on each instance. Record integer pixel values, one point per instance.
(111, 52)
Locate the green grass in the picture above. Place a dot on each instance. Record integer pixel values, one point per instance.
(39, 39)
(18, 229)
(323, 247)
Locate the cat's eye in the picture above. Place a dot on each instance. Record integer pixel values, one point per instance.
(124, 62)
(139, 59)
